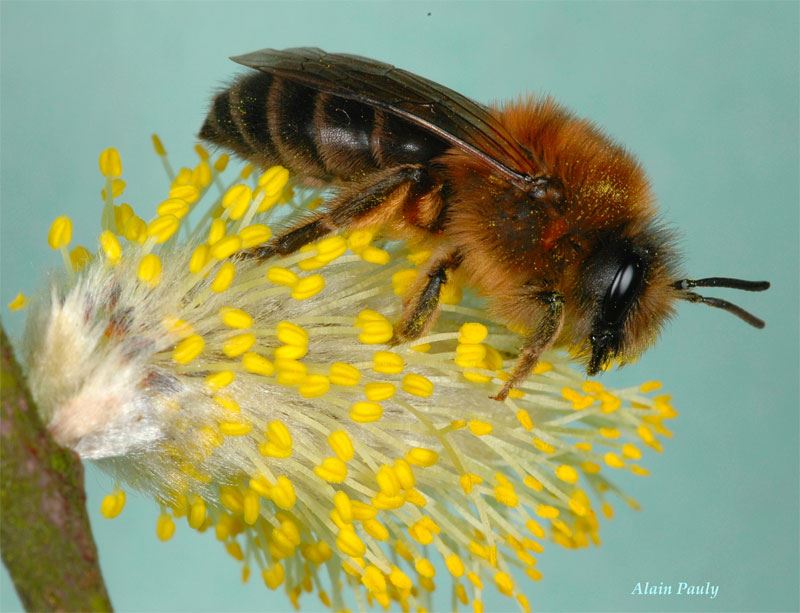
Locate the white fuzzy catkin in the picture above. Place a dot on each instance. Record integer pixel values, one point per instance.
(269, 406)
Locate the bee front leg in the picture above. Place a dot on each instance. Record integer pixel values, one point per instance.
(539, 341)
(347, 208)
(421, 309)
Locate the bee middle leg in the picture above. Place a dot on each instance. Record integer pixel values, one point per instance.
(346, 208)
(421, 309)
(539, 341)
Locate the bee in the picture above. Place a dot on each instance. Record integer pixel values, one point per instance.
(535, 208)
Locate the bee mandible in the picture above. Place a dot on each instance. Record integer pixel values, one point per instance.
(535, 208)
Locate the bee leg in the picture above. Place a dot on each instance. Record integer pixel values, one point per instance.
(538, 341)
(421, 309)
(347, 208)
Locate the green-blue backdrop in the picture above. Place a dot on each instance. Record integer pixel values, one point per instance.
(706, 94)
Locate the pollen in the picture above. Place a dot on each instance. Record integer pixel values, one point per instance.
(284, 422)
(19, 302)
(60, 233)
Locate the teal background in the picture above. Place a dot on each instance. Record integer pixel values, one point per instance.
(706, 94)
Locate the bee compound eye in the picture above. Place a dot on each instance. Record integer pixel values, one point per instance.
(623, 291)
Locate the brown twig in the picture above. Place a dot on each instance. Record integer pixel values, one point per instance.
(45, 537)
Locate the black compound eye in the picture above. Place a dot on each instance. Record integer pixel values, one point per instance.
(623, 290)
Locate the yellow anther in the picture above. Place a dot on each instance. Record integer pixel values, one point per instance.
(308, 286)
(188, 349)
(221, 163)
(379, 390)
(186, 192)
(417, 385)
(542, 367)
(349, 543)
(375, 331)
(341, 503)
(290, 372)
(425, 568)
(567, 474)
(382, 502)
(506, 494)
(200, 257)
(314, 386)
(113, 504)
(183, 177)
(479, 428)
(472, 333)
(272, 182)
(328, 249)
(365, 412)
(373, 580)
(273, 576)
(197, 513)
(60, 233)
(257, 364)
(236, 200)
(79, 257)
(291, 334)
(359, 240)
(424, 530)
(363, 511)
(609, 402)
(504, 583)
(150, 269)
(375, 529)
(543, 446)
(283, 494)
(224, 277)
(201, 175)
(251, 504)
(18, 302)
(235, 428)
(226, 247)
(344, 374)
(404, 473)
(611, 433)
(631, 451)
(227, 403)
(613, 460)
(578, 400)
(110, 246)
(400, 580)
(163, 227)
(332, 470)
(171, 206)
(218, 380)
(468, 481)
(117, 187)
(524, 418)
(403, 280)
(419, 456)
(546, 511)
(239, 344)
(235, 318)
(374, 255)
(254, 235)
(387, 481)
(110, 163)
(342, 445)
(216, 231)
(454, 565)
(231, 498)
(165, 527)
(650, 386)
(158, 145)
(387, 362)
(469, 355)
(261, 485)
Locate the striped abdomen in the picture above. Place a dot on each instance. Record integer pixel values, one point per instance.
(269, 120)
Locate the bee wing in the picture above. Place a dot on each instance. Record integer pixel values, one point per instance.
(447, 114)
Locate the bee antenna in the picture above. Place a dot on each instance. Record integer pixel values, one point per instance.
(728, 306)
(748, 286)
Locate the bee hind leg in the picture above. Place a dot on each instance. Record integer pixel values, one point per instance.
(350, 206)
(539, 341)
(421, 309)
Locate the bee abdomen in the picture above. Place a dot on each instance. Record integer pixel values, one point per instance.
(269, 120)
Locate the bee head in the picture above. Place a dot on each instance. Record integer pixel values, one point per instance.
(628, 291)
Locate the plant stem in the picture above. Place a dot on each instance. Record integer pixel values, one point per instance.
(45, 536)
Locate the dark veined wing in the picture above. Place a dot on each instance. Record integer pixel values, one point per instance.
(447, 114)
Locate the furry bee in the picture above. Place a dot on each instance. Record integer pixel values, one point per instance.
(534, 207)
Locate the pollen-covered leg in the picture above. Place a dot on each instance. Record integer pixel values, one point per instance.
(422, 308)
(349, 207)
(538, 342)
